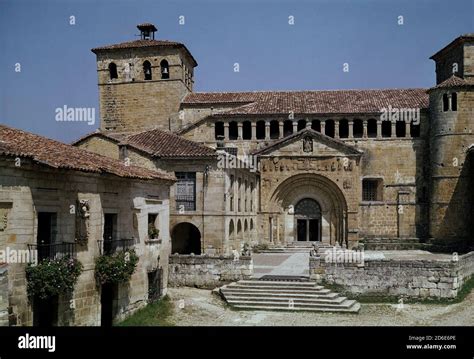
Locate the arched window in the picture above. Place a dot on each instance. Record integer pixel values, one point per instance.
(301, 125)
(414, 130)
(246, 226)
(233, 130)
(400, 129)
(372, 128)
(219, 130)
(231, 229)
(274, 129)
(113, 71)
(344, 128)
(165, 69)
(445, 102)
(147, 70)
(260, 130)
(454, 101)
(358, 129)
(329, 128)
(386, 129)
(316, 125)
(247, 130)
(287, 128)
(239, 226)
(251, 224)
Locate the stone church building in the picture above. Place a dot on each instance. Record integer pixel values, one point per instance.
(392, 168)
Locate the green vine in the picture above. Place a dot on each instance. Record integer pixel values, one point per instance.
(52, 277)
(116, 268)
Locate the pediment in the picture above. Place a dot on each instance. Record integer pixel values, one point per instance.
(310, 143)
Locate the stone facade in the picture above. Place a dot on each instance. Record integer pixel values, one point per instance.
(208, 271)
(224, 225)
(401, 181)
(31, 189)
(393, 277)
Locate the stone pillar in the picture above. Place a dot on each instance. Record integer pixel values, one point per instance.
(280, 128)
(254, 130)
(364, 124)
(308, 124)
(394, 129)
(323, 127)
(336, 128)
(407, 130)
(351, 129)
(295, 126)
(379, 129)
(267, 130)
(239, 129)
(226, 131)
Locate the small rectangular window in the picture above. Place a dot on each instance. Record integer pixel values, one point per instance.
(372, 189)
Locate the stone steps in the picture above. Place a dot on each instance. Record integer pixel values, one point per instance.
(281, 295)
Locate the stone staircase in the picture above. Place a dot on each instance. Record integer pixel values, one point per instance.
(285, 295)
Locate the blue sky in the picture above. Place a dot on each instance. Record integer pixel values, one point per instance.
(58, 68)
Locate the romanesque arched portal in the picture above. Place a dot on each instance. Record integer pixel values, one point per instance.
(309, 207)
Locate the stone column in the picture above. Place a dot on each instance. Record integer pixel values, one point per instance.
(379, 128)
(239, 129)
(267, 130)
(226, 131)
(254, 130)
(364, 124)
(308, 124)
(394, 129)
(407, 130)
(351, 129)
(295, 126)
(336, 128)
(280, 128)
(323, 127)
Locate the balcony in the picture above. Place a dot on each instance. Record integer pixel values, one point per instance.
(109, 247)
(52, 251)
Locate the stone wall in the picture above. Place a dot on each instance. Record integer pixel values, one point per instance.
(390, 277)
(3, 295)
(207, 272)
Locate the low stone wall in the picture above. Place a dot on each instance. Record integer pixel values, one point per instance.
(391, 277)
(3, 295)
(207, 272)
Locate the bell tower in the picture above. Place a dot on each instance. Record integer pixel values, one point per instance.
(142, 82)
(451, 144)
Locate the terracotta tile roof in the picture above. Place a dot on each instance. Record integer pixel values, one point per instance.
(348, 149)
(453, 81)
(18, 143)
(164, 144)
(143, 44)
(310, 102)
(158, 143)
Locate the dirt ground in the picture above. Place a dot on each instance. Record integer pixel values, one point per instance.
(199, 307)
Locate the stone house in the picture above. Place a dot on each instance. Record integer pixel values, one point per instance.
(212, 206)
(57, 200)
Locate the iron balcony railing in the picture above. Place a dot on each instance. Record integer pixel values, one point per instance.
(111, 246)
(52, 250)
